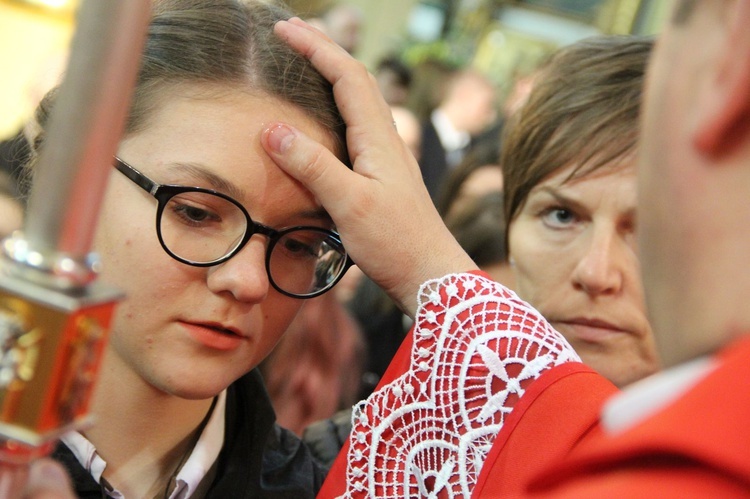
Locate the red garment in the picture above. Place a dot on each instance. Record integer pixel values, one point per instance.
(557, 413)
(476, 351)
(698, 446)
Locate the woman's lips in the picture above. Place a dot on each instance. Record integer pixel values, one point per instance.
(591, 330)
(213, 336)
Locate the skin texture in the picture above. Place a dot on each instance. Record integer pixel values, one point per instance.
(573, 248)
(693, 180)
(154, 365)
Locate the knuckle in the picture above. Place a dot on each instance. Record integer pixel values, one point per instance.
(313, 166)
(372, 80)
(361, 70)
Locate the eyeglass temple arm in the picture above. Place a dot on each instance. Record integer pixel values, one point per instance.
(140, 179)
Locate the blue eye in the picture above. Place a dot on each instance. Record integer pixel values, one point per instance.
(558, 217)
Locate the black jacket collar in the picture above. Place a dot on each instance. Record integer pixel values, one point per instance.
(258, 458)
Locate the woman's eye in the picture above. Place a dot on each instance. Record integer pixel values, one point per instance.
(299, 248)
(558, 217)
(194, 214)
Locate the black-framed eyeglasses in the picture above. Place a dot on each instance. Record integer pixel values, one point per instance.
(202, 227)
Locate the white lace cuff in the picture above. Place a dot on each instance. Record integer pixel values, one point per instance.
(476, 349)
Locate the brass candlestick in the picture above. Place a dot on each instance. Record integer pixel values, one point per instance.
(54, 317)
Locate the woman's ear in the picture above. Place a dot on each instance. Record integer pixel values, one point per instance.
(725, 117)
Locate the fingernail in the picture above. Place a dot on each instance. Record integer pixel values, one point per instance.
(280, 137)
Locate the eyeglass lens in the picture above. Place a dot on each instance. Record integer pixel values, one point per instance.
(304, 261)
(203, 228)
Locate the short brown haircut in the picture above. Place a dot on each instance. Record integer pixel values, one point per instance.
(583, 111)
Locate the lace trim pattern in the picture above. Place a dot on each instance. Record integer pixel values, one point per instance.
(476, 349)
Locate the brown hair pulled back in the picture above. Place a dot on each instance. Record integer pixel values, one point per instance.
(222, 43)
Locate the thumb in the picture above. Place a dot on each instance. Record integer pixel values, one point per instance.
(383, 197)
(308, 161)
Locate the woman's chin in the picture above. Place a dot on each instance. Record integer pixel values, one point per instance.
(195, 386)
(196, 392)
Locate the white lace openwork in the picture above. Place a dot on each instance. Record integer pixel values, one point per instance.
(476, 349)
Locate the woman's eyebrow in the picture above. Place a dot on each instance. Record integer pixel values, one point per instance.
(559, 197)
(217, 182)
(317, 214)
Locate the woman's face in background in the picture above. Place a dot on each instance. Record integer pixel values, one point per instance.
(572, 245)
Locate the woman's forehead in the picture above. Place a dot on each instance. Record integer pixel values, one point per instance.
(572, 174)
(241, 100)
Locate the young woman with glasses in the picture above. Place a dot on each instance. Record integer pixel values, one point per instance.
(215, 248)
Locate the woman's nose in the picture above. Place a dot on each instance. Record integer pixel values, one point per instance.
(600, 269)
(244, 275)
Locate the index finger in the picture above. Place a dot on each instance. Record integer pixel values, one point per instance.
(355, 90)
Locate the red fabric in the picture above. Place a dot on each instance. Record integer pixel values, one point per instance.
(698, 446)
(558, 412)
(529, 441)
(528, 337)
(335, 482)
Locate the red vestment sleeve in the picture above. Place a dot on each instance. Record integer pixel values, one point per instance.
(475, 351)
(558, 412)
